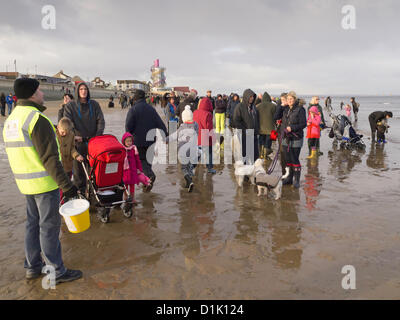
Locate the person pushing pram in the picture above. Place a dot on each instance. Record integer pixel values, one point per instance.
(343, 133)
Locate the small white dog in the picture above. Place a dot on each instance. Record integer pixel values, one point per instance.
(266, 182)
(242, 170)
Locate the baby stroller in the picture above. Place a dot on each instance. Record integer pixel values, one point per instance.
(105, 180)
(343, 133)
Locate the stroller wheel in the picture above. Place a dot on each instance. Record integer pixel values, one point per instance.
(128, 213)
(105, 215)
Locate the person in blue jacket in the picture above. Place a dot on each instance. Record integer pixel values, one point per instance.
(10, 102)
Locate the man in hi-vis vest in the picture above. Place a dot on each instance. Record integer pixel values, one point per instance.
(34, 156)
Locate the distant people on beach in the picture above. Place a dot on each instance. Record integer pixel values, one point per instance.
(356, 108)
(3, 104)
(111, 102)
(191, 101)
(10, 102)
(67, 98)
(328, 103)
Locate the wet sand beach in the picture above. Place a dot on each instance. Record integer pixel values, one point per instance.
(224, 242)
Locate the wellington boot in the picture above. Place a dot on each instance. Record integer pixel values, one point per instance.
(289, 179)
(313, 154)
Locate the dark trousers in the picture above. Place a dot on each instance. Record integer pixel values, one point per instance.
(292, 156)
(79, 173)
(313, 143)
(147, 162)
(372, 124)
(3, 109)
(265, 140)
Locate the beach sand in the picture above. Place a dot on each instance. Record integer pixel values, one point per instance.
(223, 242)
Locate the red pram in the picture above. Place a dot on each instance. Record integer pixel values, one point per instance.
(106, 159)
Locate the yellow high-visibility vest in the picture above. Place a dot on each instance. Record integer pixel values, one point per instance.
(30, 175)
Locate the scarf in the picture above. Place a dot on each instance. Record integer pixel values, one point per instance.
(126, 161)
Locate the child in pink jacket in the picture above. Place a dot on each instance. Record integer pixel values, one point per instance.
(133, 171)
(313, 130)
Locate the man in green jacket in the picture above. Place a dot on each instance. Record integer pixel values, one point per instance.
(266, 110)
(33, 153)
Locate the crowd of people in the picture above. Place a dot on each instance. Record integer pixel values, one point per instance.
(44, 157)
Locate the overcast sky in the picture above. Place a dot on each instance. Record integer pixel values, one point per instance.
(227, 46)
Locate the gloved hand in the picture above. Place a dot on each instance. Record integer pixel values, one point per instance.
(71, 193)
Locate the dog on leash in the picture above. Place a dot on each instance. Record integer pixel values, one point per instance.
(242, 170)
(265, 182)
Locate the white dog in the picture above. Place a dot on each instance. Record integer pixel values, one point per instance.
(266, 182)
(242, 170)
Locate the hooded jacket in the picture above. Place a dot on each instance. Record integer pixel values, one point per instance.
(313, 124)
(320, 112)
(203, 116)
(142, 118)
(266, 110)
(232, 105)
(88, 118)
(246, 115)
(377, 116)
(132, 154)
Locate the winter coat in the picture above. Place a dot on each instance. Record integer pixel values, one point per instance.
(9, 99)
(246, 116)
(131, 174)
(377, 116)
(220, 106)
(61, 113)
(142, 118)
(232, 105)
(203, 116)
(67, 150)
(171, 109)
(313, 124)
(266, 110)
(295, 118)
(279, 111)
(87, 118)
(323, 123)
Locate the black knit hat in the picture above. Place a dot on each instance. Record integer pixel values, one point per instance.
(24, 88)
(139, 94)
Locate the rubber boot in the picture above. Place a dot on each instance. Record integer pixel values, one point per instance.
(319, 153)
(262, 156)
(289, 179)
(313, 154)
(296, 174)
(189, 183)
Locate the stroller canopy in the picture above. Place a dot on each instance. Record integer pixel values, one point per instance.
(105, 148)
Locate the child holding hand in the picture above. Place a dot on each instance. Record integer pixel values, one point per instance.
(133, 171)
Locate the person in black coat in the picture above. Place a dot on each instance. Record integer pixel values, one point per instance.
(375, 117)
(280, 107)
(191, 100)
(140, 119)
(293, 123)
(246, 117)
(3, 104)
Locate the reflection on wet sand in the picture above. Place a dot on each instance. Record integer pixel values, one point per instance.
(343, 161)
(312, 184)
(377, 156)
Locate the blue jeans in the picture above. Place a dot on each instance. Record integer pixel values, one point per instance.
(42, 232)
(209, 165)
(10, 106)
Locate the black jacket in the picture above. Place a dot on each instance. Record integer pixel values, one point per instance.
(220, 106)
(232, 104)
(245, 115)
(140, 119)
(377, 116)
(279, 111)
(294, 118)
